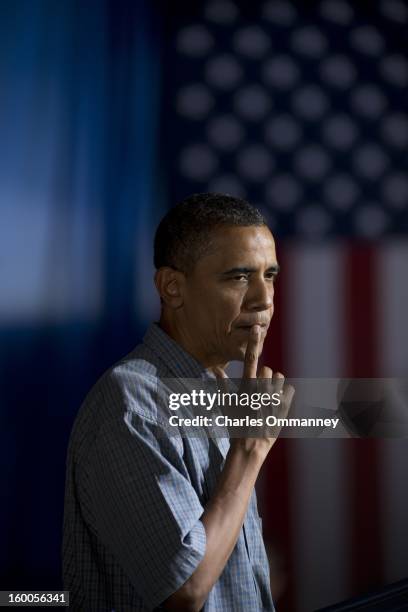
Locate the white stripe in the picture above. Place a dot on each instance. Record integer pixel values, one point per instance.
(319, 492)
(315, 305)
(318, 468)
(393, 302)
(395, 508)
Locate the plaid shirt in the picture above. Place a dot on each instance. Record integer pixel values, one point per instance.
(135, 495)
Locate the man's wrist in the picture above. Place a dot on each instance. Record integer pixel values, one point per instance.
(252, 450)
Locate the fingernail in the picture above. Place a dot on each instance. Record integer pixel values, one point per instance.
(255, 330)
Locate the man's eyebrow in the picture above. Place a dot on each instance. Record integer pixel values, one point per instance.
(274, 269)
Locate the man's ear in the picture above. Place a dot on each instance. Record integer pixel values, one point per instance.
(170, 284)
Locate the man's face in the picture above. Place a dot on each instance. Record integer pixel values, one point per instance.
(230, 289)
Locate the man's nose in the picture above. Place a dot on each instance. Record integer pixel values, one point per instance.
(259, 295)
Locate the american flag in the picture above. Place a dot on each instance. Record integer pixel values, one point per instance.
(301, 109)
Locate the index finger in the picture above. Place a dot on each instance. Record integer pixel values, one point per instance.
(251, 353)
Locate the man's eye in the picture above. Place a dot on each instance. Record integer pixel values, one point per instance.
(271, 277)
(240, 277)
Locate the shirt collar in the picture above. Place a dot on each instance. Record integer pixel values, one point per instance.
(179, 362)
(181, 365)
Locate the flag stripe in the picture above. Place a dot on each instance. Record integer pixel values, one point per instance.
(315, 308)
(392, 296)
(318, 468)
(394, 502)
(276, 493)
(362, 361)
(319, 473)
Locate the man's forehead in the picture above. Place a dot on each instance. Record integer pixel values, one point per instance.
(232, 245)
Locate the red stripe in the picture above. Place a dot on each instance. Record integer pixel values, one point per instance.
(275, 353)
(362, 361)
(361, 312)
(274, 484)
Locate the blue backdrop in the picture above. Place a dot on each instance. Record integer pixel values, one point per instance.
(78, 203)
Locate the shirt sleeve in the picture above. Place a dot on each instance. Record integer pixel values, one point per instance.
(146, 511)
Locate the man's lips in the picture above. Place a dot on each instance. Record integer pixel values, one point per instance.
(248, 326)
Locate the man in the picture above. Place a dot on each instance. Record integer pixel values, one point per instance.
(154, 521)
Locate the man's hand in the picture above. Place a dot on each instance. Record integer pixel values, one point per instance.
(267, 382)
(225, 512)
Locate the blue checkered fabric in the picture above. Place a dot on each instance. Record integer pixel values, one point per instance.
(135, 495)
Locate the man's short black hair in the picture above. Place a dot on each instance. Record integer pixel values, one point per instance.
(184, 233)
